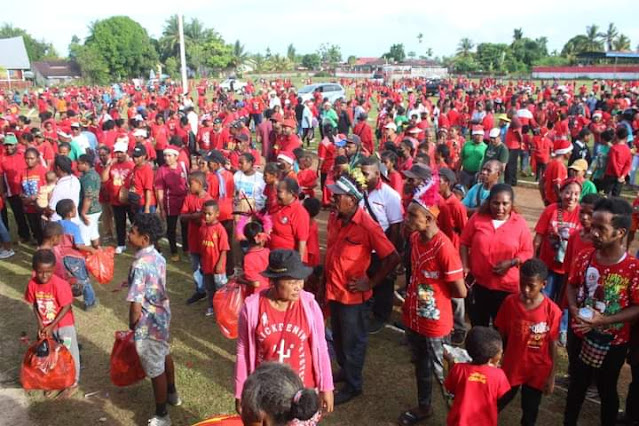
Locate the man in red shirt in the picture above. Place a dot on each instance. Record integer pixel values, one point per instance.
(365, 132)
(556, 172)
(352, 237)
(143, 182)
(12, 165)
(436, 277)
(513, 141)
(619, 161)
(117, 174)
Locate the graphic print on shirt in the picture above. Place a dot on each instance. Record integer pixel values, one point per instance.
(477, 377)
(119, 176)
(46, 307)
(537, 335)
(427, 303)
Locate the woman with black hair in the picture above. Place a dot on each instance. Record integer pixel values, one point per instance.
(67, 187)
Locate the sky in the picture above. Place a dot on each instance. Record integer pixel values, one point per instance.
(360, 28)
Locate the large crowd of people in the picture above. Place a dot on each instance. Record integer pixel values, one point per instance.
(235, 182)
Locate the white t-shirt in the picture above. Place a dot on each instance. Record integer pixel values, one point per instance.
(251, 186)
(66, 187)
(386, 203)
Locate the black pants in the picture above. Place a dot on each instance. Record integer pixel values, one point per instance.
(230, 258)
(382, 302)
(540, 170)
(18, 215)
(581, 376)
(159, 160)
(485, 304)
(530, 400)
(349, 324)
(632, 400)
(428, 357)
(209, 285)
(510, 175)
(119, 216)
(35, 223)
(612, 186)
(171, 235)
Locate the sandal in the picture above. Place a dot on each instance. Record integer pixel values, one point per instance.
(409, 418)
(68, 392)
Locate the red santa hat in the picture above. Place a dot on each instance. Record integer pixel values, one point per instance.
(286, 157)
(427, 195)
(561, 147)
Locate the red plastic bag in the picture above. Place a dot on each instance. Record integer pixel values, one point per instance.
(221, 420)
(101, 264)
(227, 303)
(47, 365)
(126, 368)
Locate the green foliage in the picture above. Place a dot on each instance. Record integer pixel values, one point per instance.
(492, 56)
(172, 68)
(218, 54)
(553, 61)
(290, 52)
(352, 60)
(621, 43)
(465, 47)
(311, 61)
(124, 46)
(396, 53)
(36, 49)
(330, 54)
(93, 65)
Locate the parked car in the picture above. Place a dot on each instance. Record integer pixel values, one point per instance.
(232, 84)
(331, 91)
(377, 78)
(432, 87)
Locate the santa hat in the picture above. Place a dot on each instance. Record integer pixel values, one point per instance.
(597, 113)
(140, 133)
(427, 195)
(561, 147)
(478, 130)
(286, 157)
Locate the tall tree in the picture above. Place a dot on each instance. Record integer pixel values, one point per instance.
(124, 45)
(465, 47)
(594, 38)
(518, 34)
(290, 52)
(621, 43)
(311, 61)
(429, 52)
(331, 54)
(610, 35)
(576, 45)
(420, 38)
(396, 53)
(239, 54)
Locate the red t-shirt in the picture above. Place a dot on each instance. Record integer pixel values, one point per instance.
(396, 181)
(256, 262)
(119, 175)
(143, 180)
(435, 264)
(204, 138)
(213, 241)
(550, 228)
(606, 288)
(619, 159)
(50, 298)
(528, 335)
(307, 179)
(193, 204)
(31, 181)
(284, 337)
(160, 134)
(290, 226)
(46, 152)
(326, 151)
(542, 147)
(270, 193)
(12, 167)
(555, 173)
(477, 389)
(454, 220)
(312, 245)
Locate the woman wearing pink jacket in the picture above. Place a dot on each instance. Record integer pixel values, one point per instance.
(285, 324)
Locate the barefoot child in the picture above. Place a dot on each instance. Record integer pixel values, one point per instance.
(150, 314)
(213, 250)
(479, 384)
(51, 299)
(529, 324)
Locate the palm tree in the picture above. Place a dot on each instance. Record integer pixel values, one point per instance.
(420, 38)
(465, 47)
(429, 52)
(621, 43)
(195, 32)
(518, 34)
(542, 42)
(610, 35)
(594, 38)
(290, 52)
(239, 54)
(170, 40)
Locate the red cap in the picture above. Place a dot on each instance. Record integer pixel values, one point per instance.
(277, 117)
(289, 122)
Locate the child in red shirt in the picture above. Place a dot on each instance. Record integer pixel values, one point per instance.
(477, 385)
(191, 214)
(255, 259)
(306, 177)
(529, 325)
(635, 222)
(52, 300)
(271, 179)
(541, 148)
(214, 245)
(313, 207)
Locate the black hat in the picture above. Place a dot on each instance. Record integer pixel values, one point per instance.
(286, 264)
(216, 157)
(418, 171)
(354, 139)
(139, 151)
(449, 175)
(241, 137)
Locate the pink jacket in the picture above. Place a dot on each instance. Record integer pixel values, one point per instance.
(247, 345)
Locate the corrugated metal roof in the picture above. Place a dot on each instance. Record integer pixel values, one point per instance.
(13, 54)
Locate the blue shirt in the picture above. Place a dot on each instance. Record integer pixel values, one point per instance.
(478, 190)
(72, 229)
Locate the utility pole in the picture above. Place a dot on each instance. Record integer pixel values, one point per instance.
(185, 83)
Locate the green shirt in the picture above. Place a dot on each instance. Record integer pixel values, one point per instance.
(472, 155)
(90, 187)
(330, 116)
(601, 162)
(587, 187)
(499, 153)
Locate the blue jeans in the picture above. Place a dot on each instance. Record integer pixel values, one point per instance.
(349, 324)
(195, 265)
(78, 270)
(151, 209)
(4, 234)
